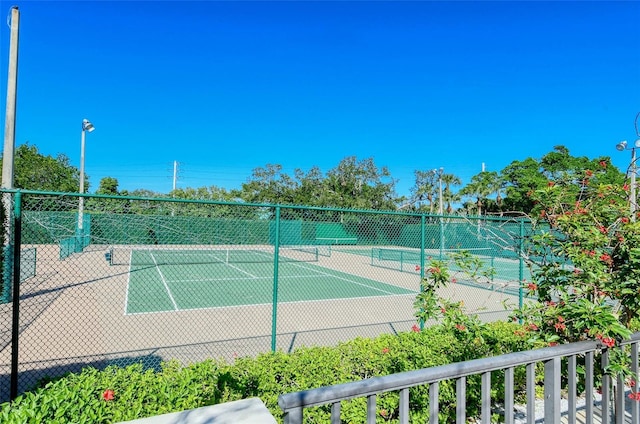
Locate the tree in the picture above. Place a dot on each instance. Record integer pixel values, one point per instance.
(523, 178)
(34, 171)
(358, 184)
(311, 188)
(480, 187)
(585, 262)
(269, 185)
(425, 188)
(352, 184)
(108, 185)
(449, 196)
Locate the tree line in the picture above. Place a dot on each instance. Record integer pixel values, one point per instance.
(353, 184)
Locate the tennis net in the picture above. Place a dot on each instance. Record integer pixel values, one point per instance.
(174, 256)
(408, 260)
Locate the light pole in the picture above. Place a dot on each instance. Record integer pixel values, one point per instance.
(633, 169)
(86, 127)
(439, 173)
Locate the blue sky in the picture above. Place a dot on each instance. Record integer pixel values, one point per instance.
(226, 87)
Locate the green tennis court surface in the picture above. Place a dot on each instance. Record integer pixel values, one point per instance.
(183, 280)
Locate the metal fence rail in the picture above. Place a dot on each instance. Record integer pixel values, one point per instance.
(293, 404)
(151, 280)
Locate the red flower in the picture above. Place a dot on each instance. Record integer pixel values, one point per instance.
(624, 220)
(454, 280)
(550, 184)
(634, 396)
(108, 395)
(603, 163)
(434, 270)
(461, 327)
(533, 327)
(417, 267)
(560, 326)
(602, 229)
(553, 343)
(625, 187)
(385, 350)
(532, 286)
(588, 173)
(577, 271)
(443, 310)
(632, 383)
(605, 257)
(608, 342)
(415, 328)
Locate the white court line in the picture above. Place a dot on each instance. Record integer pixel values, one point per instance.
(293, 302)
(315, 274)
(268, 277)
(175, 305)
(234, 267)
(126, 294)
(344, 279)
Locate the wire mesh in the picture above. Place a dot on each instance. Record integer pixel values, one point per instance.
(151, 280)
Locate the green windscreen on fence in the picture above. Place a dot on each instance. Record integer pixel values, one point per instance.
(333, 233)
(222, 256)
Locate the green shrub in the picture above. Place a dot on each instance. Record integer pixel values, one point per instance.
(137, 393)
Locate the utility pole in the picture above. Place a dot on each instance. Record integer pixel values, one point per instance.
(175, 173)
(10, 117)
(9, 287)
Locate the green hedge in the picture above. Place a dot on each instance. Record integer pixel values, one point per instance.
(137, 393)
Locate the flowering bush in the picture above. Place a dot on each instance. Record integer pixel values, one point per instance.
(584, 257)
(452, 315)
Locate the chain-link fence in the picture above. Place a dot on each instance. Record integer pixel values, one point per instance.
(148, 280)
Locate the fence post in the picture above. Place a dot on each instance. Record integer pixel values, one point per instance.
(293, 416)
(7, 248)
(521, 267)
(422, 248)
(606, 388)
(274, 314)
(552, 374)
(441, 220)
(15, 327)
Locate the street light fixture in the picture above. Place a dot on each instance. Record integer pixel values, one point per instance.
(633, 169)
(87, 126)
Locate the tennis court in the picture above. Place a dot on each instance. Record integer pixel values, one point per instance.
(161, 280)
(507, 273)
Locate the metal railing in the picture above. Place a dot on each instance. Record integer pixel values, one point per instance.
(614, 408)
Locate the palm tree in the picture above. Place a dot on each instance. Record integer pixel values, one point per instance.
(479, 188)
(450, 197)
